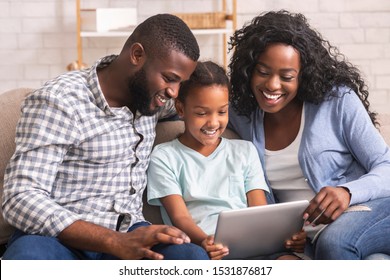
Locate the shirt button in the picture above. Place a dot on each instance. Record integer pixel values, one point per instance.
(135, 162)
(132, 191)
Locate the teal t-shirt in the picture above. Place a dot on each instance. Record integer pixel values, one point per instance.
(209, 184)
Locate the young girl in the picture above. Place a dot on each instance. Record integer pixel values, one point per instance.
(200, 174)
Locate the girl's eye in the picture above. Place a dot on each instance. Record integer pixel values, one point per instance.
(222, 112)
(200, 113)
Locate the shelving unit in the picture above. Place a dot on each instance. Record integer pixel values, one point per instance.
(79, 63)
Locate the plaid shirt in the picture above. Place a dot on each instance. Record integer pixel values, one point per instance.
(76, 158)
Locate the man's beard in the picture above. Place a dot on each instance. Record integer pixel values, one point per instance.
(141, 98)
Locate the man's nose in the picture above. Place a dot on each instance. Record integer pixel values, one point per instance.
(173, 91)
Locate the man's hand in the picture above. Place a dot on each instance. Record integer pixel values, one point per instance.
(327, 205)
(137, 244)
(132, 245)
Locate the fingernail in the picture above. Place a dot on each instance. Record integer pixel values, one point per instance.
(179, 240)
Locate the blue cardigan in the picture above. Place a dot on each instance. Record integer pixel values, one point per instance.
(340, 146)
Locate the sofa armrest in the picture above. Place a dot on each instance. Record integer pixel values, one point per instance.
(10, 113)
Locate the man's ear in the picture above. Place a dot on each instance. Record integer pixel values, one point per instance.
(137, 54)
(179, 108)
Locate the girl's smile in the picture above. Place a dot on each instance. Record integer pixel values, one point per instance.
(205, 114)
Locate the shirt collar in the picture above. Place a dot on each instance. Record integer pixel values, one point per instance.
(93, 82)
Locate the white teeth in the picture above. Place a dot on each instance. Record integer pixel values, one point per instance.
(272, 96)
(162, 99)
(209, 132)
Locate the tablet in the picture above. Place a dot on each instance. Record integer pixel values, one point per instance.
(259, 230)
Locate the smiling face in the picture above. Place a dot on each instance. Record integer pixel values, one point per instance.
(205, 114)
(274, 80)
(158, 81)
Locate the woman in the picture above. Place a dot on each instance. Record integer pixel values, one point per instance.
(306, 110)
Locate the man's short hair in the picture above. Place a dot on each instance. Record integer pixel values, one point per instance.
(162, 33)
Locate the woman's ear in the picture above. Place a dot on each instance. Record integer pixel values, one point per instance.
(137, 54)
(179, 108)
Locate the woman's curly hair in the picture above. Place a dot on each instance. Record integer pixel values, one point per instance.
(323, 67)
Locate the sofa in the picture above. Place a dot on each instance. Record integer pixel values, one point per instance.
(10, 108)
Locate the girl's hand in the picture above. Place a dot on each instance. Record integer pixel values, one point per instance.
(215, 251)
(297, 242)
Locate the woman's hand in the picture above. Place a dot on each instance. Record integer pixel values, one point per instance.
(327, 205)
(297, 242)
(215, 251)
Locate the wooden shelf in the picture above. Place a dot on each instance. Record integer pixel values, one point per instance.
(105, 34)
(125, 33)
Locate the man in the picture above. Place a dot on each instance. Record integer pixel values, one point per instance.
(74, 186)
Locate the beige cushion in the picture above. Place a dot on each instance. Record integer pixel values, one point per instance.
(10, 112)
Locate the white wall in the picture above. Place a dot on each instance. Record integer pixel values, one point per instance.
(38, 37)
